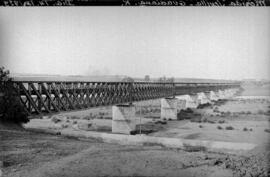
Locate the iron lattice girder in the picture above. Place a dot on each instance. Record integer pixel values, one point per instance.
(46, 97)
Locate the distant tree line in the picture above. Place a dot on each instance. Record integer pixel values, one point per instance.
(148, 79)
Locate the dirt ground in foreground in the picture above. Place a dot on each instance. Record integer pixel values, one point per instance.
(30, 154)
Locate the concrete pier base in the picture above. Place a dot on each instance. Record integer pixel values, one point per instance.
(230, 93)
(213, 96)
(221, 94)
(169, 108)
(123, 119)
(202, 98)
(195, 100)
(189, 101)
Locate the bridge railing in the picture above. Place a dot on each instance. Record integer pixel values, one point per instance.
(53, 96)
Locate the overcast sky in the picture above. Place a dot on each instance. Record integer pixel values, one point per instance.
(217, 43)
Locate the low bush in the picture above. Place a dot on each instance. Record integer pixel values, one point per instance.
(160, 122)
(260, 112)
(229, 128)
(74, 117)
(245, 129)
(200, 126)
(211, 121)
(221, 121)
(267, 130)
(55, 120)
(198, 120)
(228, 113)
(219, 127)
(191, 148)
(188, 110)
(64, 126)
(87, 118)
(204, 120)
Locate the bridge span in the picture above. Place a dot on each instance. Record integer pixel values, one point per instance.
(52, 97)
(43, 97)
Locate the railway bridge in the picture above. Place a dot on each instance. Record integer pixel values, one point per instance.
(48, 97)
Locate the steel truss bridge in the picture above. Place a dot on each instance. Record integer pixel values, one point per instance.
(42, 97)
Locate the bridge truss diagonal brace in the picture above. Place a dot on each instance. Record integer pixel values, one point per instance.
(40, 98)
(29, 98)
(48, 95)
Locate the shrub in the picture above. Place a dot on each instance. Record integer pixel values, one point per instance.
(193, 148)
(245, 129)
(200, 126)
(211, 121)
(221, 121)
(219, 127)
(260, 112)
(11, 109)
(204, 119)
(75, 122)
(198, 120)
(74, 117)
(55, 120)
(64, 126)
(229, 128)
(228, 113)
(267, 130)
(87, 118)
(188, 110)
(160, 122)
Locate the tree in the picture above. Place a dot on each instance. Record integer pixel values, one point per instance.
(170, 80)
(146, 78)
(127, 79)
(162, 79)
(11, 109)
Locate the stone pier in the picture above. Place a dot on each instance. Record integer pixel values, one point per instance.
(202, 98)
(123, 119)
(213, 96)
(189, 101)
(195, 100)
(221, 94)
(169, 108)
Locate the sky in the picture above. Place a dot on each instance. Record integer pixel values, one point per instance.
(198, 42)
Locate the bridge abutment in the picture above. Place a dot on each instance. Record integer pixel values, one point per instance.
(123, 119)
